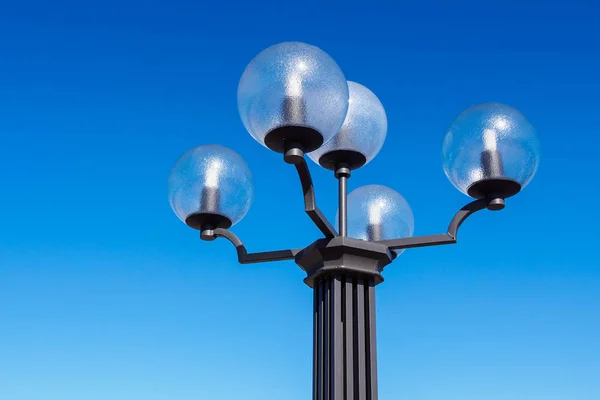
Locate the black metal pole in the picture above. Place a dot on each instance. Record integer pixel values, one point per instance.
(345, 355)
(342, 173)
(343, 207)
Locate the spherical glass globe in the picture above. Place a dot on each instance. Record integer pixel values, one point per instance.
(489, 148)
(376, 212)
(361, 136)
(210, 185)
(295, 85)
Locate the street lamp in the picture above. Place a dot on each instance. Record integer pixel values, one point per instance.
(294, 99)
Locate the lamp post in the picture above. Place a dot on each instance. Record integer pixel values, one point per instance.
(295, 100)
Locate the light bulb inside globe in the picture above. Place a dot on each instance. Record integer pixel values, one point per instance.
(294, 87)
(294, 107)
(375, 211)
(212, 173)
(294, 84)
(490, 140)
(210, 199)
(491, 158)
(374, 228)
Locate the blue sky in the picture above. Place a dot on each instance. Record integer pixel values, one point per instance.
(105, 294)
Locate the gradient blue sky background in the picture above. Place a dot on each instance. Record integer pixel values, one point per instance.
(105, 294)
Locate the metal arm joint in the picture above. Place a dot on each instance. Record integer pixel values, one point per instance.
(243, 256)
(446, 238)
(296, 156)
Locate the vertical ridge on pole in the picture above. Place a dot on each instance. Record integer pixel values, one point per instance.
(371, 342)
(337, 340)
(349, 338)
(361, 340)
(316, 328)
(319, 360)
(327, 338)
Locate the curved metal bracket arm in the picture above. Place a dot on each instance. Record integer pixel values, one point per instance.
(310, 204)
(446, 238)
(248, 258)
